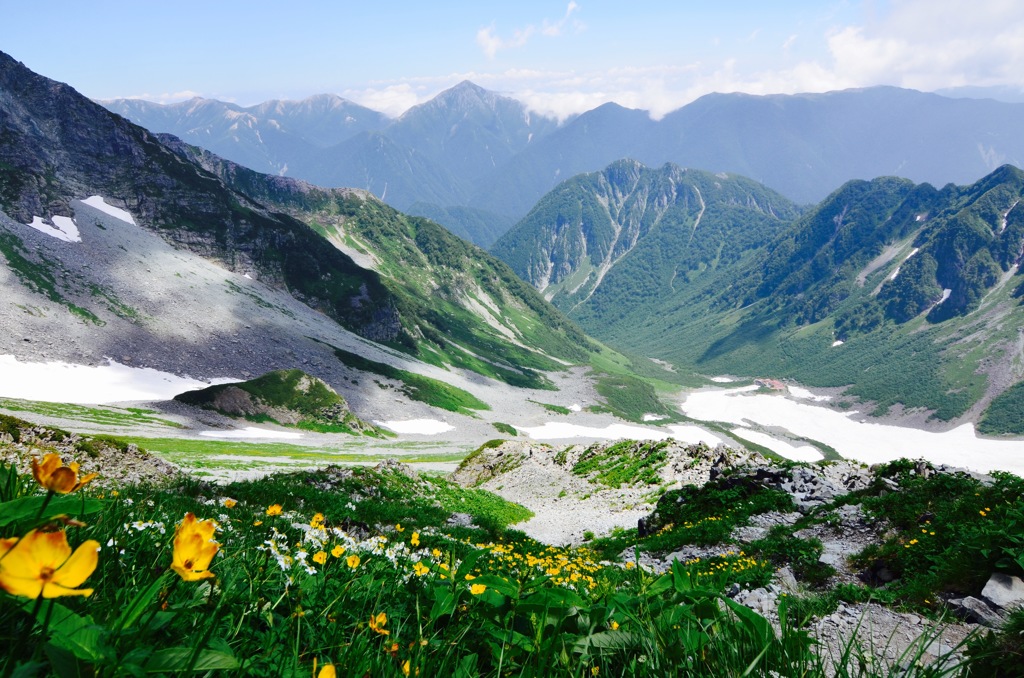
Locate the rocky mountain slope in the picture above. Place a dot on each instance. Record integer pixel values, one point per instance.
(829, 532)
(468, 147)
(117, 243)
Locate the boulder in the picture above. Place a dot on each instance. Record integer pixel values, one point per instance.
(1004, 591)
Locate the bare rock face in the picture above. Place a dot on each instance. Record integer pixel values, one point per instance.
(1004, 591)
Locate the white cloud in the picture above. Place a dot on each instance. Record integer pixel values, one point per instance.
(491, 43)
(392, 100)
(166, 97)
(921, 44)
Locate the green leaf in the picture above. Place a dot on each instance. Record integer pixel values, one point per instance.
(72, 632)
(444, 602)
(176, 660)
(27, 508)
(606, 640)
(139, 603)
(499, 584)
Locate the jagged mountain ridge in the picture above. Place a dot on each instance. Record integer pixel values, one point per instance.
(471, 148)
(57, 147)
(908, 293)
(609, 242)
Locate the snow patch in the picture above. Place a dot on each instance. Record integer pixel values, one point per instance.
(575, 407)
(252, 432)
(426, 427)
(654, 417)
(838, 342)
(63, 228)
(804, 394)
(780, 447)
(868, 442)
(722, 380)
(687, 434)
(97, 202)
(60, 382)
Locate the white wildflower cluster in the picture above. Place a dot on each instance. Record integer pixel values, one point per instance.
(143, 525)
(277, 547)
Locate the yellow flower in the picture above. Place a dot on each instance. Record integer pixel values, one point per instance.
(230, 503)
(55, 477)
(352, 561)
(415, 539)
(327, 671)
(399, 528)
(337, 551)
(614, 626)
(318, 520)
(257, 523)
(420, 569)
(42, 564)
(274, 510)
(114, 493)
(595, 670)
(405, 668)
(477, 589)
(435, 552)
(194, 548)
(320, 557)
(378, 623)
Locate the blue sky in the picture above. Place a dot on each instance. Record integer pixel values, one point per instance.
(558, 56)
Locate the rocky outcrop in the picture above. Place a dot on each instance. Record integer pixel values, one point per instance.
(286, 397)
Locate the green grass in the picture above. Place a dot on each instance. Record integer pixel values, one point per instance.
(211, 453)
(106, 415)
(507, 429)
(424, 389)
(556, 409)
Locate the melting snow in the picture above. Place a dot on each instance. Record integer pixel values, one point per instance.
(804, 394)
(426, 427)
(653, 417)
(553, 430)
(780, 447)
(863, 441)
(575, 407)
(722, 380)
(81, 384)
(97, 202)
(63, 228)
(838, 342)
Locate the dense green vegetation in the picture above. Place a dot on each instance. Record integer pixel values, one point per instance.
(627, 462)
(631, 398)
(107, 415)
(417, 387)
(1005, 414)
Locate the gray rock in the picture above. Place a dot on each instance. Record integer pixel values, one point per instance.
(786, 580)
(460, 520)
(834, 553)
(749, 533)
(973, 609)
(1004, 591)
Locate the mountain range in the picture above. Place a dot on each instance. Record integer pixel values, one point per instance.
(478, 161)
(907, 293)
(121, 243)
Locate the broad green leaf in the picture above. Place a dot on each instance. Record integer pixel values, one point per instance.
(176, 660)
(72, 632)
(27, 508)
(499, 584)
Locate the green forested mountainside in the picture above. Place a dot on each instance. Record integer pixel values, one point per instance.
(446, 290)
(477, 226)
(606, 246)
(907, 294)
